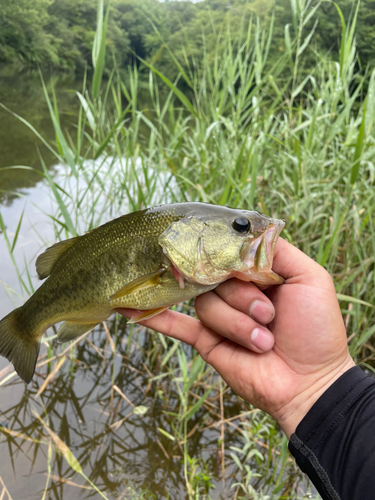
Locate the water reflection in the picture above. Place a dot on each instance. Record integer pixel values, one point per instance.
(118, 450)
(23, 94)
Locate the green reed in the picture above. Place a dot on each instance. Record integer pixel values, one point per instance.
(290, 140)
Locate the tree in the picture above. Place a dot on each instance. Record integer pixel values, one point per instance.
(22, 32)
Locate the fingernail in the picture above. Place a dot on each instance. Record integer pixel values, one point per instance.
(262, 339)
(262, 312)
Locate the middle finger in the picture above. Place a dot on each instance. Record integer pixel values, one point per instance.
(247, 297)
(232, 324)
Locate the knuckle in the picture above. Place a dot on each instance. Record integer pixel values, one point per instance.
(204, 355)
(202, 303)
(201, 344)
(170, 324)
(324, 277)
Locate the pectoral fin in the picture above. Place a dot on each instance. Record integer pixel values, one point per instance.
(147, 314)
(69, 331)
(145, 281)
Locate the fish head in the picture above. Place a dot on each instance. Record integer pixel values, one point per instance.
(220, 243)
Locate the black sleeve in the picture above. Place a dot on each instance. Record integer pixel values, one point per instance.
(334, 444)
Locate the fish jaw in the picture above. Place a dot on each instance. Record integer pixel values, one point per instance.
(258, 257)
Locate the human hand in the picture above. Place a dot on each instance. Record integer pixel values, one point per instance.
(284, 369)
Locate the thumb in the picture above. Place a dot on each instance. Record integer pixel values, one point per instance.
(294, 265)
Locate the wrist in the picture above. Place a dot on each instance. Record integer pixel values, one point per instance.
(293, 412)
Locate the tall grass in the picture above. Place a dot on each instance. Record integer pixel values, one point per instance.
(293, 142)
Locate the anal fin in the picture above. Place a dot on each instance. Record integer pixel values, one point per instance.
(147, 314)
(145, 281)
(69, 331)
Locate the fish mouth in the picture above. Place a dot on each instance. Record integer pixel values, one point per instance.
(259, 256)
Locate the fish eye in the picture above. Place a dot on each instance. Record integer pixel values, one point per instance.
(241, 225)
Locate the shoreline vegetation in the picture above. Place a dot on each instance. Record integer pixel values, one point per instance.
(58, 34)
(125, 412)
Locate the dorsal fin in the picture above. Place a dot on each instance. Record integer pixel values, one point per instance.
(46, 260)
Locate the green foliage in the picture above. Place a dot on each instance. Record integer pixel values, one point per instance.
(60, 33)
(23, 32)
(72, 28)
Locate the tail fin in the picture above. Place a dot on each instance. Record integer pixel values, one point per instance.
(18, 346)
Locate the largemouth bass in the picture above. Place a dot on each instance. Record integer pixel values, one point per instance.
(147, 260)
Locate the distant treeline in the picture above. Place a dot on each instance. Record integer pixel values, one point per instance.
(60, 33)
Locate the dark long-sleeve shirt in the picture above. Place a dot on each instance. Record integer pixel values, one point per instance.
(334, 444)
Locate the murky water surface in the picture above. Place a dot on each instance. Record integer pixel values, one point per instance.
(22, 94)
(101, 400)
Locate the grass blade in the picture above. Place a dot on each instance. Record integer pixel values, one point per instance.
(98, 51)
(184, 100)
(359, 148)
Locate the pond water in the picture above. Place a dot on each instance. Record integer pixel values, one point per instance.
(102, 400)
(23, 95)
(22, 189)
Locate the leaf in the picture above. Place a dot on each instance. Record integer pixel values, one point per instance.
(98, 33)
(166, 434)
(17, 231)
(98, 50)
(197, 367)
(56, 368)
(311, 14)
(347, 298)
(87, 110)
(279, 487)
(185, 101)
(294, 6)
(61, 446)
(170, 353)
(193, 410)
(140, 410)
(288, 43)
(366, 335)
(343, 37)
(68, 454)
(61, 204)
(182, 362)
(370, 113)
(254, 172)
(336, 228)
(25, 122)
(6, 238)
(175, 60)
(110, 134)
(69, 158)
(359, 147)
(237, 461)
(307, 39)
(20, 435)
